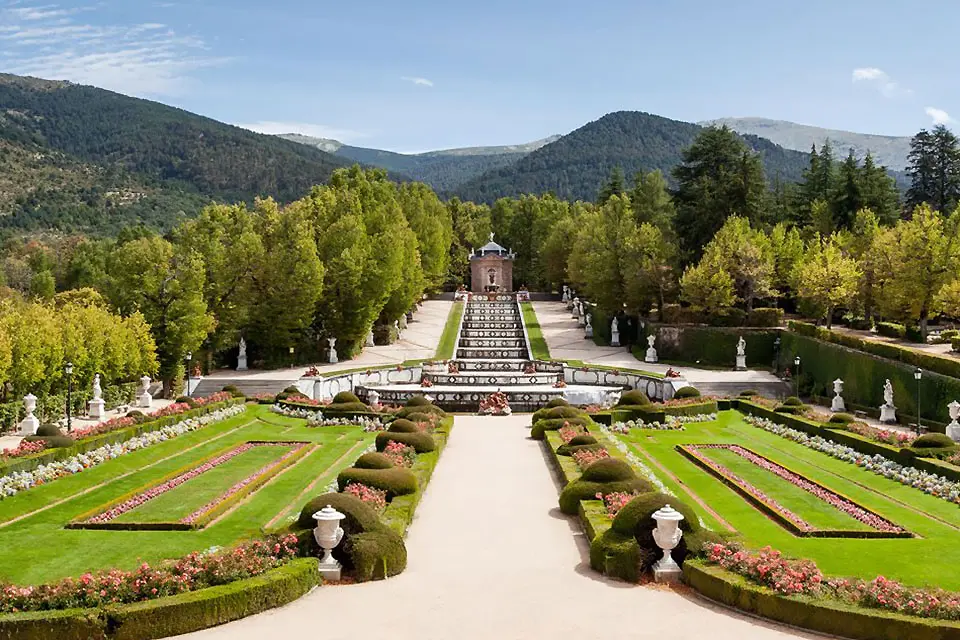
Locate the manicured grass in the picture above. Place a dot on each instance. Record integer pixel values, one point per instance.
(181, 501)
(804, 504)
(448, 341)
(928, 559)
(39, 549)
(538, 346)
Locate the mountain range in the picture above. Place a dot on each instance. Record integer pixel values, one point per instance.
(79, 158)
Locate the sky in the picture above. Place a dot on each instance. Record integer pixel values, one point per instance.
(419, 75)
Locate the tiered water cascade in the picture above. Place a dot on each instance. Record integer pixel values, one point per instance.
(493, 354)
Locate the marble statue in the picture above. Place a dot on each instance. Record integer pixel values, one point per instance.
(651, 355)
(741, 354)
(614, 333)
(888, 411)
(242, 357)
(96, 408)
(588, 329)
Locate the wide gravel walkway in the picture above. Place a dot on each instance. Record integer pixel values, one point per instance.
(491, 557)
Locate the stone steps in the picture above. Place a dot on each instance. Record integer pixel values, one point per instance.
(492, 378)
(493, 343)
(492, 333)
(491, 353)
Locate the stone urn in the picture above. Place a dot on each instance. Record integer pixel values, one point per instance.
(328, 533)
(953, 429)
(29, 425)
(667, 536)
(837, 405)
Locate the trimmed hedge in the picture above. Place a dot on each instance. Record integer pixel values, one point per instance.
(344, 397)
(824, 616)
(634, 397)
(712, 346)
(540, 427)
(608, 470)
(408, 412)
(373, 461)
(581, 489)
(557, 402)
(402, 425)
(422, 442)
(687, 392)
(396, 481)
(170, 616)
(557, 412)
(933, 441)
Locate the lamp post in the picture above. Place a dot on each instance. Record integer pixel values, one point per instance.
(918, 375)
(776, 354)
(189, 358)
(292, 361)
(68, 369)
(796, 376)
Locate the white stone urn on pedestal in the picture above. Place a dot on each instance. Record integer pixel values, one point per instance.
(328, 533)
(953, 429)
(651, 355)
(30, 424)
(837, 405)
(588, 330)
(667, 536)
(332, 351)
(566, 294)
(144, 399)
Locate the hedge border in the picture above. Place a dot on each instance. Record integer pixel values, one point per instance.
(327, 413)
(823, 616)
(778, 517)
(172, 615)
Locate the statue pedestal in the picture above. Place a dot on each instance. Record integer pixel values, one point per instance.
(588, 332)
(615, 339)
(28, 426)
(888, 413)
(332, 356)
(651, 355)
(145, 401)
(242, 363)
(669, 574)
(741, 363)
(96, 409)
(953, 430)
(837, 406)
(330, 571)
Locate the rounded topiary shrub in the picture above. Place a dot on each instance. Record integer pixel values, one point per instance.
(634, 397)
(373, 461)
(418, 401)
(360, 515)
(49, 430)
(608, 470)
(569, 450)
(406, 412)
(553, 413)
(686, 392)
(787, 408)
(933, 441)
(636, 519)
(233, 391)
(138, 416)
(582, 489)
(585, 438)
(793, 401)
(557, 402)
(402, 425)
(184, 400)
(347, 407)
(421, 442)
(842, 418)
(419, 416)
(291, 389)
(344, 397)
(540, 427)
(375, 555)
(396, 481)
(748, 393)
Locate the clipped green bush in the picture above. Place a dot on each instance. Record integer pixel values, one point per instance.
(569, 450)
(636, 518)
(748, 393)
(793, 401)
(557, 402)
(402, 425)
(582, 489)
(373, 461)
(234, 391)
(53, 442)
(407, 412)
(686, 392)
(422, 442)
(933, 441)
(418, 401)
(346, 407)
(616, 555)
(892, 330)
(784, 408)
(344, 397)
(633, 397)
(608, 470)
(842, 418)
(49, 430)
(765, 317)
(396, 481)
(540, 427)
(557, 412)
(585, 438)
(360, 515)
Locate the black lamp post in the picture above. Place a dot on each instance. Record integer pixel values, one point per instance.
(189, 358)
(776, 353)
(68, 369)
(796, 376)
(918, 375)
(292, 361)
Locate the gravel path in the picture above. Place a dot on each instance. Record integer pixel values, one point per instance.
(490, 556)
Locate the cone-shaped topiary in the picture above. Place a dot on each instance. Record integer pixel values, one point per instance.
(634, 397)
(402, 425)
(396, 481)
(422, 442)
(608, 470)
(345, 396)
(373, 461)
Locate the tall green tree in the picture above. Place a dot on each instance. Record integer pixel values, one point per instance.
(601, 253)
(879, 191)
(471, 228)
(718, 178)
(614, 186)
(848, 197)
(431, 221)
(934, 169)
(827, 278)
(651, 201)
(746, 254)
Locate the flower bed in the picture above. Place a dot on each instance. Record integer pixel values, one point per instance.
(616, 501)
(23, 449)
(103, 518)
(883, 436)
(927, 482)
(174, 409)
(315, 418)
(402, 455)
(794, 523)
(23, 480)
(587, 457)
(496, 404)
(376, 498)
(568, 432)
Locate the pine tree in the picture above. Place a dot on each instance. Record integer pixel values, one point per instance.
(613, 187)
(934, 169)
(848, 196)
(879, 191)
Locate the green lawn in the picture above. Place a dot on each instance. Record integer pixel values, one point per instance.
(448, 341)
(39, 549)
(538, 346)
(181, 501)
(929, 558)
(812, 509)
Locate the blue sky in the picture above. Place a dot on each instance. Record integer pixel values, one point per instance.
(418, 75)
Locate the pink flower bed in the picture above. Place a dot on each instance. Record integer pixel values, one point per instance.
(568, 432)
(151, 493)
(885, 436)
(190, 573)
(376, 498)
(23, 449)
(495, 404)
(838, 502)
(402, 455)
(787, 577)
(170, 410)
(587, 457)
(616, 501)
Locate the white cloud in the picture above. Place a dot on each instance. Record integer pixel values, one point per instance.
(939, 115)
(147, 59)
(881, 80)
(423, 82)
(305, 128)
